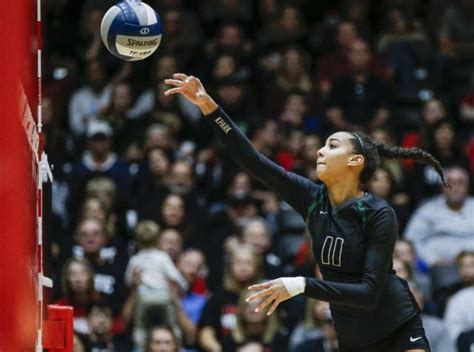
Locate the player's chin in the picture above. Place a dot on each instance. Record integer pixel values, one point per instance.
(321, 171)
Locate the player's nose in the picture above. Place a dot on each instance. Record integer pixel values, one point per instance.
(320, 152)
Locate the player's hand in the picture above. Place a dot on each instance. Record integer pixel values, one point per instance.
(189, 86)
(271, 293)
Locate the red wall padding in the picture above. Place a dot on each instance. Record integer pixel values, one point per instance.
(17, 185)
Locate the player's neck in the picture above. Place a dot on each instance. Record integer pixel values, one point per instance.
(343, 191)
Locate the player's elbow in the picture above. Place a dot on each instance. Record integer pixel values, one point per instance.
(371, 304)
(370, 299)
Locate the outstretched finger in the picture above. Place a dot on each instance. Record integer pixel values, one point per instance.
(260, 294)
(174, 82)
(172, 91)
(274, 306)
(180, 76)
(265, 303)
(258, 287)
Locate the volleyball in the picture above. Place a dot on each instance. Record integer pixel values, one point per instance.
(131, 30)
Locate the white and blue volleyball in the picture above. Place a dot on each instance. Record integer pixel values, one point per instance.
(131, 30)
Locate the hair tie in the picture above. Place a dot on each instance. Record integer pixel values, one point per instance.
(360, 142)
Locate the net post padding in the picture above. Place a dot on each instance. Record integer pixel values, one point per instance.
(18, 267)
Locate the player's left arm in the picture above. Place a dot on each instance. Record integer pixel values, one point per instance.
(381, 232)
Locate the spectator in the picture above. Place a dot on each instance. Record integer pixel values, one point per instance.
(442, 227)
(359, 101)
(292, 147)
(465, 261)
(183, 37)
(257, 234)
(288, 28)
(164, 66)
(225, 222)
(466, 114)
(77, 281)
(459, 315)
(386, 136)
(444, 144)
(127, 132)
(265, 137)
(149, 184)
(100, 160)
(405, 251)
(101, 337)
(466, 341)
(402, 269)
(162, 339)
(254, 326)
(181, 181)
(336, 64)
(456, 36)
(311, 143)
(292, 75)
(435, 328)
(173, 215)
(107, 257)
(171, 242)
(157, 274)
(219, 315)
(311, 328)
(296, 114)
(230, 40)
(235, 95)
(94, 208)
(105, 189)
(88, 102)
(383, 185)
(433, 110)
(189, 304)
(166, 110)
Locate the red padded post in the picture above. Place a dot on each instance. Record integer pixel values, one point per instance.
(58, 329)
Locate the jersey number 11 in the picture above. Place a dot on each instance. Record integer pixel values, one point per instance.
(331, 252)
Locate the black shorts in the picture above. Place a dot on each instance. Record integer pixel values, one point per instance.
(409, 336)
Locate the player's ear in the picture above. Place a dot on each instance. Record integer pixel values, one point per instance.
(356, 160)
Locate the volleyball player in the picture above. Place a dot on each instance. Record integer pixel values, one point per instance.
(353, 232)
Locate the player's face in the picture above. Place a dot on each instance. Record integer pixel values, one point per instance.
(334, 157)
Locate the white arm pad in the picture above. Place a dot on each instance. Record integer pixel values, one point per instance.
(294, 285)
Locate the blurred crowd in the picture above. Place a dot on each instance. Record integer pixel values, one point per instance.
(155, 234)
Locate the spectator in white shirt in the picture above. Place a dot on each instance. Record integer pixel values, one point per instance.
(459, 315)
(444, 226)
(87, 102)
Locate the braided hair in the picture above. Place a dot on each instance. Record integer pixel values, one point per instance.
(373, 151)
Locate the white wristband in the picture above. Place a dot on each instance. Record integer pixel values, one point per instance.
(294, 285)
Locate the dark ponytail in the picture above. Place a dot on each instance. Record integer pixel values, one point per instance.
(372, 151)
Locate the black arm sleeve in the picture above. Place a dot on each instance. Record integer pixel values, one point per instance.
(298, 191)
(381, 232)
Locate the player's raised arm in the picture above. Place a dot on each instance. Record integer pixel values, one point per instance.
(298, 191)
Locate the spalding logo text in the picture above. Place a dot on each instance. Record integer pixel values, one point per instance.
(133, 42)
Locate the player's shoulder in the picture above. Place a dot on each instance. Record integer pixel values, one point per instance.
(374, 202)
(377, 205)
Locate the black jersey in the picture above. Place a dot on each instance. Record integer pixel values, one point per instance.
(352, 243)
